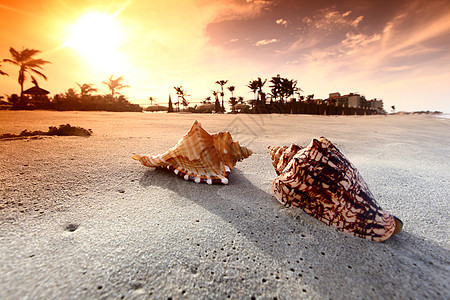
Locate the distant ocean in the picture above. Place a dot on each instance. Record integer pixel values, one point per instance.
(443, 116)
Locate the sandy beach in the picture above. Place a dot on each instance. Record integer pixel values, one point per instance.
(81, 220)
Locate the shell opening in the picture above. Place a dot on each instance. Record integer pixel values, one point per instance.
(398, 225)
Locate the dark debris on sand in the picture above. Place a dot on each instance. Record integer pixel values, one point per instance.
(62, 130)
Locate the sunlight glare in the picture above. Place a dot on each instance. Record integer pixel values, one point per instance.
(97, 37)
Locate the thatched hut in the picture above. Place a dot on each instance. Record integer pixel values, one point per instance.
(37, 97)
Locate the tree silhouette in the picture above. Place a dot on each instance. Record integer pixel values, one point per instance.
(170, 106)
(253, 86)
(70, 93)
(276, 87)
(256, 86)
(181, 94)
(115, 84)
(231, 88)
(222, 83)
(1, 72)
(207, 100)
(86, 89)
(217, 108)
(232, 101)
(260, 85)
(27, 64)
(288, 88)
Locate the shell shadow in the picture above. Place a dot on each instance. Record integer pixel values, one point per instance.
(251, 211)
(306, 245)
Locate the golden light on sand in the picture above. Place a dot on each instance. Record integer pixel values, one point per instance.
(97, 37)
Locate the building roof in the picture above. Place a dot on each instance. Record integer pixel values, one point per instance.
(35, 90)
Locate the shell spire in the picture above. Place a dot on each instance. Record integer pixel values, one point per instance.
(200, 156)
(320, 180)
(281, 156)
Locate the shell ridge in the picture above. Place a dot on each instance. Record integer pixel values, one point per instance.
(321, 181)
(200, 157)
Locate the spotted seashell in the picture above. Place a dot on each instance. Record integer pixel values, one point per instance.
(200, 156)
(321, 181)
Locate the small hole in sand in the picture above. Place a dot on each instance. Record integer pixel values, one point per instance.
(71, 227)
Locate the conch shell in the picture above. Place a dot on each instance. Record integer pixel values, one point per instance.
(200, 156)
(321, 181)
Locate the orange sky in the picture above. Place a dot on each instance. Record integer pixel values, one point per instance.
(394, 50)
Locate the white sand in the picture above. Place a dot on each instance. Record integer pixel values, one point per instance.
(80, 219)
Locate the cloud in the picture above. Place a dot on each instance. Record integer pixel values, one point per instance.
(329, 19)
(410, 50)
(354, 42)
(282, 22)
(225, 10)
(356, 22)
(307, 21)
(266, 42)
(403, 68)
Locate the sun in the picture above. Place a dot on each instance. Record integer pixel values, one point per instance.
(97, 37)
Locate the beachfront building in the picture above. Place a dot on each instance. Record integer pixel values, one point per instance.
(350, 100)
(376, 104)
(354, 101)
(36, 97)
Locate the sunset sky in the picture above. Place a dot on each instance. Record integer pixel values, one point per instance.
(398, 51)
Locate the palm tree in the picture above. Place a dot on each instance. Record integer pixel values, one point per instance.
(115, 84)
(151, 100)
(260, 84)
(253, 86)
(222, 83)
(276, 87)
(86, 89)
(181, 94)
(233, 103)
(256, 86)
(231, 88)
(207, 100)
(70, 93)
(288, 87)
(1, 72)
(27, 64)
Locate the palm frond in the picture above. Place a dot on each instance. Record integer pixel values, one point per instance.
(35, 63)
(27, 54)
(39, 73)
(10, 61)
(34, 81)
(15, 54)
